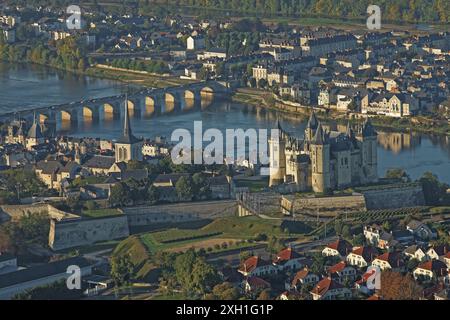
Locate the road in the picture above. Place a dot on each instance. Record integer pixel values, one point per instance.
(233, 259)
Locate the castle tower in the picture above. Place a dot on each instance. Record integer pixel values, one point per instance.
(369, 161)
(320, 161)
(128, 147)
(277, 157)
(311, 127)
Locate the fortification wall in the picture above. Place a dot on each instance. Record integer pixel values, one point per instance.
(15, 212)
(69, 234)
(394, 197)
(172, 213)
(323, 205)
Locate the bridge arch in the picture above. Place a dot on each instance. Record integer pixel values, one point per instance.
(170, 101)
(133, 108)
(66, 116)
(207, 96)
(150, 105)
(190, 99)
(110, 111)
(88, 113)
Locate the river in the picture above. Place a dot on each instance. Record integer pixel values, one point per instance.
(23, 87)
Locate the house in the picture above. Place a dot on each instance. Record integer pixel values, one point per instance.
(288, 259)
(430, 270)
(213, 53)
(329, 289)
(342, 272)
(339, 248)
(254, 285)
(362, 256)
(19, 281)
(436, 252)
(446, 259)
(415, 252)
(99, 165)
(389, 261)
(220, 187)
(256, 266)
(53, 172)
(196, 42)
(290, 295)
(168, 180)
(301, 278)
(372, 234)
(420, 230)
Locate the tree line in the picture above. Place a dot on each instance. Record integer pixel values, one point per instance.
(393, 10)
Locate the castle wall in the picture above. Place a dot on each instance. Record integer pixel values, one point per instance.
(15, 212)
(393, 197)
(70, 234)
(324, 205)
(172, 213)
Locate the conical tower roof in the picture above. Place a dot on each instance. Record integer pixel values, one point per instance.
(35, 130)
(368, 130)
(319, 137)
(313, 122)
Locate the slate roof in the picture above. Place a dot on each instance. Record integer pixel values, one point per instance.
(41, 271)
(103, 162)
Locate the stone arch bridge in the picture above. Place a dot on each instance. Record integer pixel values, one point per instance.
(146, 102)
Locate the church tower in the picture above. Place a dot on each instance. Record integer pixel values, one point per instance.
(320, 161)
(35, 136)
(277, 155)
(128, 147)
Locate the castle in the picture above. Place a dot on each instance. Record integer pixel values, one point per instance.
(324, 160)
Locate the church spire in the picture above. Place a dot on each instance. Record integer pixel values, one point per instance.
(126, 124)
(127, 135)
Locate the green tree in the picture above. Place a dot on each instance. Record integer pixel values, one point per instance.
(119, 195)
(184, 188)
(433, 190)
(121, 270)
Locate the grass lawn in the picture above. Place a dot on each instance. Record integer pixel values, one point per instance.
(223, 230)
(100, 213)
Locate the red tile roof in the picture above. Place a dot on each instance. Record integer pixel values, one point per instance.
(436, 266)
(393, 258)
(326, 285)
(338, 267)
(256, 282)
(341, 245)
(286, 255)
(367, 252)
(252, 263)
(302, 274)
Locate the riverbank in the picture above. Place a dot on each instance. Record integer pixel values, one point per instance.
(266, 100)
(134, 77)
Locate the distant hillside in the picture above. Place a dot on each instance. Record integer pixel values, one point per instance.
(437, 11)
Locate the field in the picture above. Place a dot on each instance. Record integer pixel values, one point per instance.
(222, 234)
